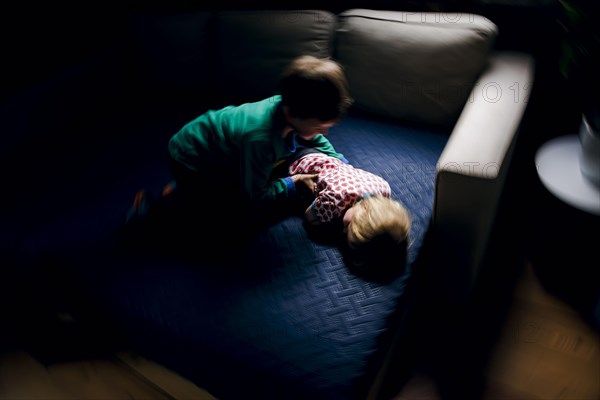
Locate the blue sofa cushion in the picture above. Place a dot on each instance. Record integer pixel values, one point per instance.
(290, 320)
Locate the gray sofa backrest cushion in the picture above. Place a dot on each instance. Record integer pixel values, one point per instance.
(417, 66)
(255, 46)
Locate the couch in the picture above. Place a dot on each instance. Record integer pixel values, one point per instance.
(437, 112)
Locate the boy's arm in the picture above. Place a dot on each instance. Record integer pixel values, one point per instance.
(257, 184)
(281, 188)
(321, 143)
(256, 168)
(290, 186)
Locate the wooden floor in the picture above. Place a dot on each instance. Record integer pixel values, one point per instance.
(545, 352)
(124, 376)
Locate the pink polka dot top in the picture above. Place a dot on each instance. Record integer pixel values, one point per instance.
(339, 185)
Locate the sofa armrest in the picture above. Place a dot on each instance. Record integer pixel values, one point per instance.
(472, 168)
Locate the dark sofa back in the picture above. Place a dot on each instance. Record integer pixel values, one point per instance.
(210, 59)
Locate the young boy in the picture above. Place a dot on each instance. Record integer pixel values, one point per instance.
(230, 153)
(222, 161)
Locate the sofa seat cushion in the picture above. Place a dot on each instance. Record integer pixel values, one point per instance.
(418, 66)
(291, 320)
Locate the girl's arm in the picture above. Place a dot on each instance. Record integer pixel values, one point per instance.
(311, 216)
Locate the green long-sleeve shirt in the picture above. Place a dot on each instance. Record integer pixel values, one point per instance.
(248, 138)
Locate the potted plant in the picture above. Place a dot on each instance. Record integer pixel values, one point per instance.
(580, 65)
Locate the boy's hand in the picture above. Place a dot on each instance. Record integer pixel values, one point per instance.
(308, 181)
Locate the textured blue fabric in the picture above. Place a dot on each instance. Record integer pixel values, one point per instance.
(291, 320)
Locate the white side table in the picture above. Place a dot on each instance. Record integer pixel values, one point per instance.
(566, 219)
(557, 163)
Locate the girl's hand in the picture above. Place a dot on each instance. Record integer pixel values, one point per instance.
(310, 216)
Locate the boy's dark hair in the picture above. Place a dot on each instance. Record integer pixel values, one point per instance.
(315, 88)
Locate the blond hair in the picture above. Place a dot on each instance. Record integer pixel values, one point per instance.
(379, 232)
(376, 216)
(315, 88)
